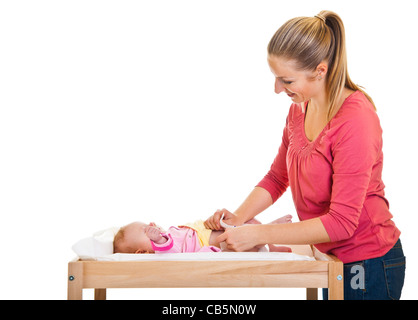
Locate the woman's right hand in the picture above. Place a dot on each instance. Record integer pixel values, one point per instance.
(213, 222)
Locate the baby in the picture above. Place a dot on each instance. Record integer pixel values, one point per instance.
(139, 237)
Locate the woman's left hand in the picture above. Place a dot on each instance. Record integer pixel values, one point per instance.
(241, 238)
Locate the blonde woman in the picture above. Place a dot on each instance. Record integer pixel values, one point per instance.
(331, 157)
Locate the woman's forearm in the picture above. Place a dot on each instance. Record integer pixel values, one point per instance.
(257, 201)
(304, 232)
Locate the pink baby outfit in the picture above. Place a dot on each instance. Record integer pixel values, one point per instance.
(181, 239)
(337, 177)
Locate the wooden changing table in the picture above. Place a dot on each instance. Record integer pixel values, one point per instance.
(325, 272)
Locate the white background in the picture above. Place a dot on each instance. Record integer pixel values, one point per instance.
(115, 111)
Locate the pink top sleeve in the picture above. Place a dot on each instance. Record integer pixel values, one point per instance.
(165, 247)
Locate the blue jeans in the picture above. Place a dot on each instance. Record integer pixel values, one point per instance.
(375, 279)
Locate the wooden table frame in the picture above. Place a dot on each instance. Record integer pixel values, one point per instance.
(325, 272)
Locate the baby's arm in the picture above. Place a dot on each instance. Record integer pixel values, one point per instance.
(155, 235)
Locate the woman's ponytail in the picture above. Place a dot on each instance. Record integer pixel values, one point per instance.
(338, 77)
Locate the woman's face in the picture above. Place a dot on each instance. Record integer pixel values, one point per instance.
(299, 85)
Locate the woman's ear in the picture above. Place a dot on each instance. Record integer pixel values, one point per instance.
(322, 70)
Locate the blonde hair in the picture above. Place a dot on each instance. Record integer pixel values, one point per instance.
(311, 40)
(119, 238)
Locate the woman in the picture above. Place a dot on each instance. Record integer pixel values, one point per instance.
(331, 156)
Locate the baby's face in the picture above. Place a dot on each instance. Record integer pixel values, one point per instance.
(135, 237)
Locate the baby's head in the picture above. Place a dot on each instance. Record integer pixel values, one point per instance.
(132, 239)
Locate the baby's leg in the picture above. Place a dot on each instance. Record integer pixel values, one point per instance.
(212, 239)
(253, 221)
(285, 219)
(272, 247)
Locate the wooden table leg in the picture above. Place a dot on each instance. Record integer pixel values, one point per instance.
(336, 281)
(311, 294)
(100, 294)
(75, 281)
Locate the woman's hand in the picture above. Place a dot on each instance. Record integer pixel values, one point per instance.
(213, 222)
(241, 238)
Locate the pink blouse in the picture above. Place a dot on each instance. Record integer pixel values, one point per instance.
(337, 177)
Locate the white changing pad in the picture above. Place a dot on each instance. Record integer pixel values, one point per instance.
(202, 256)
(206, 256)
